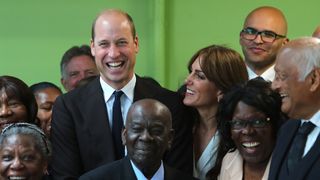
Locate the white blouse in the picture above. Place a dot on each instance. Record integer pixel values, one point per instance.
(207, 159)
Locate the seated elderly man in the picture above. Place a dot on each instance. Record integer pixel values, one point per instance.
(147, 135)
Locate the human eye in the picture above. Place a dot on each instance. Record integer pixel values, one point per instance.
(46, 107)
(259, 123)
(14, 103)
(200, 75)
(137, 128)
(282, 76)
(6, 157)
(122, 42)
(103, 44)
(28, 157)
(269, 34)
(250, 31)
(74, 74)
(91, 72)
(236, 124)
(157, 131)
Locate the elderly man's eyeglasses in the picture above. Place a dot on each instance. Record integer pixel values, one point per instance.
(256, 123)
(266, 36)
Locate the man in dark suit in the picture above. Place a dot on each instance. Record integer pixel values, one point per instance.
(82, 126)
(147, 135)
(297, 155)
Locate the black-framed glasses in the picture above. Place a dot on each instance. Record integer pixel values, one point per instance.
(266, 36)
(256, 123)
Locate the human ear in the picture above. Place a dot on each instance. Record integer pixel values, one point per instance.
(123, 136)
(315, 80)
(92, 47)
(64, 83)
(285, 41)
(136, 42)
(170, 139)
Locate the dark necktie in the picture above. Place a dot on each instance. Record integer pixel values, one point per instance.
(117, 125)
(298, 144)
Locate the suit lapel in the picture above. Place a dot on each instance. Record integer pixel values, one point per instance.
(309, 160)
(96, 118)
(142, 90)
(283, 144)
(127, 172)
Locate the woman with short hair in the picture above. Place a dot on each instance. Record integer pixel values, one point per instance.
(24, 152)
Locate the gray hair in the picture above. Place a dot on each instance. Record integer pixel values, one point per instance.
(40, 139)
(74, 51)
(304, 53)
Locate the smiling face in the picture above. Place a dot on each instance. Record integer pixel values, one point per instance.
(20, 159)
(254, 144)
(79, 67)
(45, 100)
(114, 48)
(295, 93)
(11, 110)
(259, 54)
(201, 92)
(148, 134)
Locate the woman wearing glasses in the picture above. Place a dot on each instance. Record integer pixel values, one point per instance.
(213, 70)
(24, 152)
(249, 117)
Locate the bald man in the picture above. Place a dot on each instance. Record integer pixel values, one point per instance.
(147, 135)
(263, 34)
(316, 32)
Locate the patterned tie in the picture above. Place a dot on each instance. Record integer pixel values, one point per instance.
(117, 125)
(298, 144)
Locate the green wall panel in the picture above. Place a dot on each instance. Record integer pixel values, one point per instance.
(35, 33)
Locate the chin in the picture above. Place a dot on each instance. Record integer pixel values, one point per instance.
(285, 109)
(186, 101)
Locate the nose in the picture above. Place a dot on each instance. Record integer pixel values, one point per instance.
(258, 39)
(248, 129)
(16, 164)
(80, 76)
(275, 85)
(5, 111)
(145, 136)
(113, 51)
(188, 80)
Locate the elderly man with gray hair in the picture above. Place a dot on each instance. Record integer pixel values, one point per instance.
(296, 155)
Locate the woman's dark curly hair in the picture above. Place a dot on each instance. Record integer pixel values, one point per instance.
(256, 93)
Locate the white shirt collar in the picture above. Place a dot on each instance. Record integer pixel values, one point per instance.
(159, 175)
(266, 75)
(315, 119)
(128, 89)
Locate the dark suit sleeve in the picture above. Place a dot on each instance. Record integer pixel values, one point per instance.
(66, 163)
(117, 170)
(173, 174)
(180, 156)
